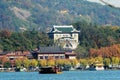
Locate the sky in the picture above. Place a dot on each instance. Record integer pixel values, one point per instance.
(116, 3)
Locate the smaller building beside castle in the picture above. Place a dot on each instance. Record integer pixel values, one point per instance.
(53, 52)
(65, 36)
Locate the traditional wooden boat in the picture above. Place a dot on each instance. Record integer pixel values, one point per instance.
(50, 70)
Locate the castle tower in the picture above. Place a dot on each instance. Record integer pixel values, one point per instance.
(65, 36)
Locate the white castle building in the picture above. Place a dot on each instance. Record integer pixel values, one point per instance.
(65, 36)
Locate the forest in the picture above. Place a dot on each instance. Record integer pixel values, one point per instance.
(96, 37)
(28, 40)
(92, 39)
(43, 14)
(96, 43)
(23, 26)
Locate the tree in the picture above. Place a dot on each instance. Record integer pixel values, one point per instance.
(3, 60)
(43, 63)
(115, 60)
(5, 33)
(59, 62)
(74, 62)
(67, 62)
(33, 63)
(18, 62)
(106, 61)
(51, 62)
(91, 61)
(7, 64)
(81, 52)
(99, 59)
(26, 62)
(83, 62)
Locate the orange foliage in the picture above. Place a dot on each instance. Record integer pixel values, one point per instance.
(5, 33)
(106, 52)
(3, 59)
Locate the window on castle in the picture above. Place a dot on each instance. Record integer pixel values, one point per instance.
(65, 35)
(75, 35)
(67, 45)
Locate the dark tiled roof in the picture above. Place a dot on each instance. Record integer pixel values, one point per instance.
(50, 49)
(65, 29)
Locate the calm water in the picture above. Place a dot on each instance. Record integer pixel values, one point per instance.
(70, 75)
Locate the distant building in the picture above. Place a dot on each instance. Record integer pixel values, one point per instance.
(12, 56)
(65, 36)
(52, 52)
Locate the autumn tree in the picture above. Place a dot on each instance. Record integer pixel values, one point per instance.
(74, 62)
(67, 62)
(18, 62)
(106, 61)
(83, 62)
(50, 62)
(42, 63)
(26, 62)
(106, 52)
(3, 60)
(5, 33)
(115, 60)
(33, 63)
(59, 62)
(91, 61)
(99, 59)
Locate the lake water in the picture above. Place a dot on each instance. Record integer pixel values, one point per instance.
(68, 75)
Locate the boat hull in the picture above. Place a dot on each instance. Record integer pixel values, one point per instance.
(50, 70)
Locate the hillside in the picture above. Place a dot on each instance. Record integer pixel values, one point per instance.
(40, 14)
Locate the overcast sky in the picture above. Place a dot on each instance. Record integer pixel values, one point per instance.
(113, 2)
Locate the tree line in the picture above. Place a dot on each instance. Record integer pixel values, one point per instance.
(94, 36)
(26, 63)
(27, 40)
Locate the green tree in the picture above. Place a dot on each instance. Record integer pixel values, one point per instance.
(106, 61)
(7, 64)
(81, 52)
